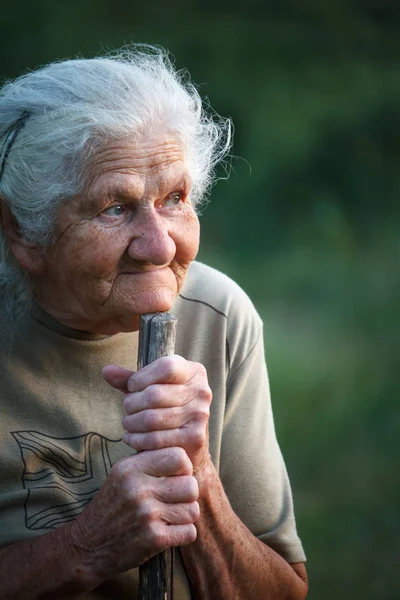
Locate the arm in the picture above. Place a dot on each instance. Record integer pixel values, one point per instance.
(228, 561)
(45, 567)
(254, 476)
(147, 503)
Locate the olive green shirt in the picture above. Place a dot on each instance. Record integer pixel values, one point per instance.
(60, 428)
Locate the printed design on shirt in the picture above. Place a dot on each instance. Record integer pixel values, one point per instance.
(61, 475)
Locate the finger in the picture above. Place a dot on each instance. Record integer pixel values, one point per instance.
(164, 462)
(158, 395)
(168, 369)
(184, 437)
(177, 489)
(117, 377)
(169, 535)
(155, 420)
(181, 513)
(181, 535)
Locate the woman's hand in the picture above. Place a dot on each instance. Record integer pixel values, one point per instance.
(147, 503)
(149, 500)
(167, 403)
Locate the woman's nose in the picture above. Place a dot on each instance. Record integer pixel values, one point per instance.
(151, 241)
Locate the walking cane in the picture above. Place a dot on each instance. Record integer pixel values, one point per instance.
(156, 339)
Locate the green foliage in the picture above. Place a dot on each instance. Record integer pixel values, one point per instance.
(306, 223)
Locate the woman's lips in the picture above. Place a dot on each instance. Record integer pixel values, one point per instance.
(158, 271)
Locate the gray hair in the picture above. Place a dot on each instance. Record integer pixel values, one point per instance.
(71, 109)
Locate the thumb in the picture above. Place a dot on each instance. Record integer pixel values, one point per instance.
(117, 377)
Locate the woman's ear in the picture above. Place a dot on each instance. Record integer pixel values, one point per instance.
(28, 255)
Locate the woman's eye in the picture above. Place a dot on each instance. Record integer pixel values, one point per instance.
(114, 211)
(174, 199)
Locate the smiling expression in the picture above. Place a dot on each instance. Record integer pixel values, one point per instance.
(123, 247)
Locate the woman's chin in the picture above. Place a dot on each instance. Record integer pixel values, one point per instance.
(128, 318)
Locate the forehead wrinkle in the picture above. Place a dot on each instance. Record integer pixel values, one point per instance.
(166, 181)
(139, 160)
(137, 186)
(118, 186)
(140, 155)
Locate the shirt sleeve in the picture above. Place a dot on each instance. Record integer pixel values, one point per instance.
(253, 471)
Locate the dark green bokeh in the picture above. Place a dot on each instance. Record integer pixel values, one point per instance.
(307, 223)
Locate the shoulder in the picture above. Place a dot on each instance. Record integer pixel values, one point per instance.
(206, 284)
(219, 302)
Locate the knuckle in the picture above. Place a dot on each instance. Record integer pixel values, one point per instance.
(193, 487)
(131, 382)
(134, 498)
(201, 370)
(179, 360)
(157, 535)
(190, 535)
(125, 422)
(134, 440)
(137, 496)
(121, 469)
(201, 414)
(173, 366)
(178, 453)
(170, 365)
(137, 441)
(154, 395)
(204, 393)
(194, 511)
(148, 512)
(199, 436)
(150, 419)
(156, 439)
(149, 440)
(126, 405)
(193, 533)
(180, 457)
(128, 483)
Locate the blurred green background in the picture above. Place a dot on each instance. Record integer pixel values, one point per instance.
(307, 224)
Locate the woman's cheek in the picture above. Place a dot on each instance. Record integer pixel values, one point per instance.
(189, 237)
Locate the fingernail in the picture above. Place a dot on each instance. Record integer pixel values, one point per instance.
(130, 386)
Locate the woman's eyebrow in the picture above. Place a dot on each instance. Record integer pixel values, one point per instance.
(172, 183)
(115, 192)
(129, 194)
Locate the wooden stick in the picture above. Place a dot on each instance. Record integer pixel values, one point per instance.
(156, 339)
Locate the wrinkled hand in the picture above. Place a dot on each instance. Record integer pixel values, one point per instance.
(167, 403)
(147, 503)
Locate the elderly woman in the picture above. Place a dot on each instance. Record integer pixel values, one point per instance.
(103, 163)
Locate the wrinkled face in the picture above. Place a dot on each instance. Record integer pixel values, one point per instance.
(124, 246)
